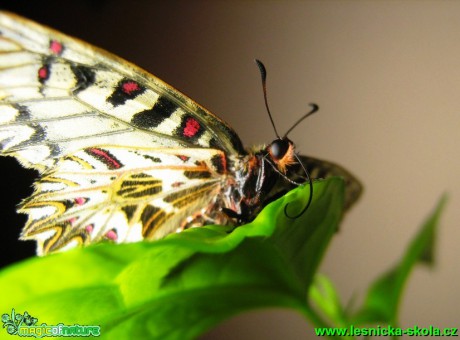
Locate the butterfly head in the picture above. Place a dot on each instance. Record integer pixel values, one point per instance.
(281, 153)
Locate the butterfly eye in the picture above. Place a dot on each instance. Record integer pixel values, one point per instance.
(278, 148)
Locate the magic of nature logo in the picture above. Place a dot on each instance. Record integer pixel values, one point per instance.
(26, 325)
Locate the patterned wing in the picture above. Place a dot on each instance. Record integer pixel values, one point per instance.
(123, 155)
(59, 95)
(120, 194)
(318, 169)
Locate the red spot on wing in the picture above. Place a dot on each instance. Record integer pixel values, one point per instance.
(106, 157)
(80, 200)
(43, 72)
(72, 220)
(224, 162)
(191, 127)
(112, 235)
(89, 228)
(183, 158)
(56, 47)
(130, 86)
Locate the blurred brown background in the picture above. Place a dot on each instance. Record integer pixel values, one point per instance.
(386, 75)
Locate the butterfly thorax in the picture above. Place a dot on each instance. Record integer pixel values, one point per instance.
(255, 176)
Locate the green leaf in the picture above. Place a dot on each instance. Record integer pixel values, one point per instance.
(181, 286)
(383, 296)
(325, 298)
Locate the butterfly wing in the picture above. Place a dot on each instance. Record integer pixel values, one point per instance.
(318, 169)
(120, 194)
(123, 155)
(59, 95)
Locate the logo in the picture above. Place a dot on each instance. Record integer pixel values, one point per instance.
(26, 325)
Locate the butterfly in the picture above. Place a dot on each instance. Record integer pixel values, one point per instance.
(123, 156)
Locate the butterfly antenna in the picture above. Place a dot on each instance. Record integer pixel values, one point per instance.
(263, 74)
(311, 192)
(314, 108)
